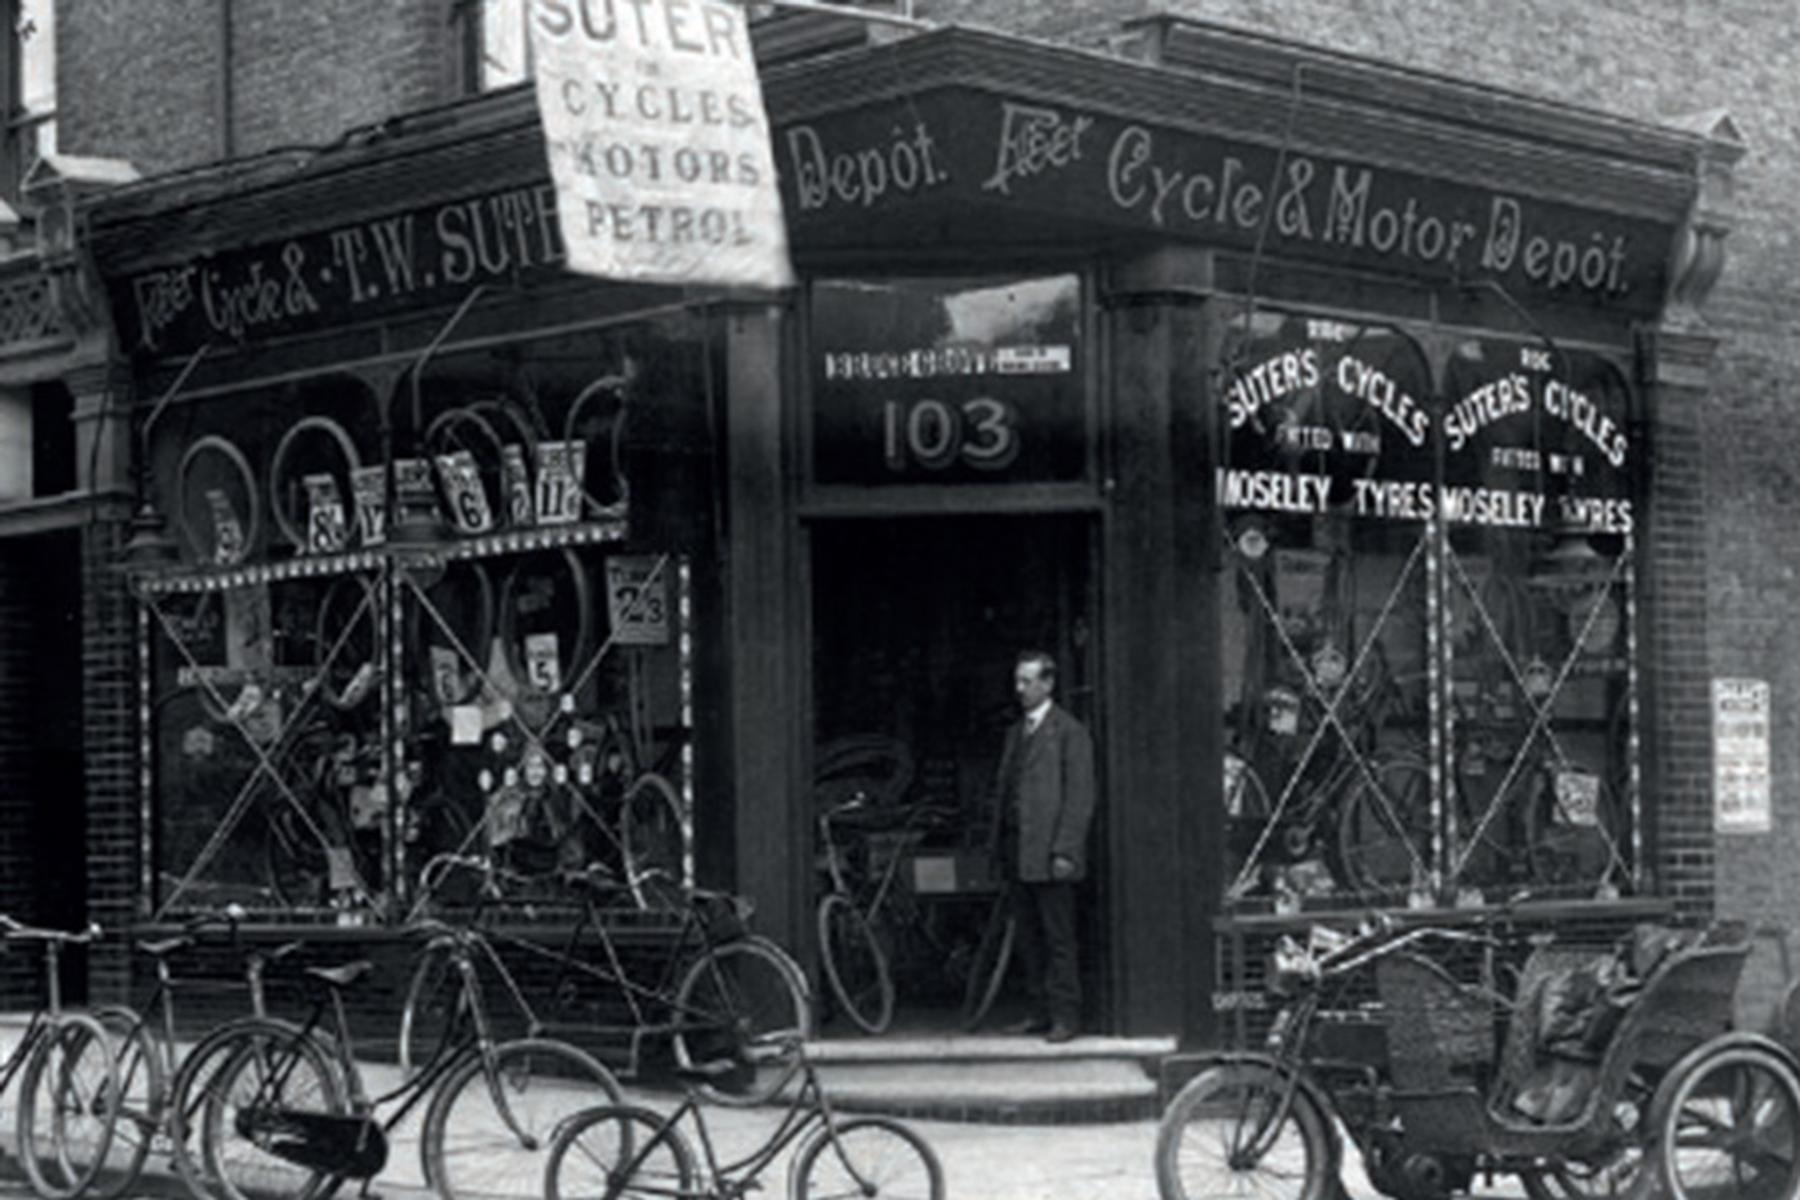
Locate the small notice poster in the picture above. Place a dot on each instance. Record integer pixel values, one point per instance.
(1741, 789)
(659, 143)
(637, 600)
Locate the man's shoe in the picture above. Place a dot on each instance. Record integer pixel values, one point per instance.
(1060, 1033)
(1029, 1025)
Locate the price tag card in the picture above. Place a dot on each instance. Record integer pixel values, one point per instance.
(327, 526)
(515, 479)
(543, 665)
(1578, 797)
(446, 675)
(228, 531)
(637, 600)
(415, 496)
(368, 485)
(461, 479)
(560, 468)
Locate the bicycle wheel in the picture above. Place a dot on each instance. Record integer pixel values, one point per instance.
(867, 1156)
(196, 1078)
(855, 965)
(616, 1151)
(142, 1090)
(745, 997)
(652, 840)
(1384, 827)
(1233, 1130)
(987, 970)
(269, 1069)
(66, 1111)
(1732, 1129)
(435, 1002)
(486, 1132)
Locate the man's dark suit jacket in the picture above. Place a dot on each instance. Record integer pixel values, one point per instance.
(1056, 794)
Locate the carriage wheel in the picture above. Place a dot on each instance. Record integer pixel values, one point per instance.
(1732, 1129)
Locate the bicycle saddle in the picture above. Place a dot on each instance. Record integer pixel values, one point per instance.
(342, 976)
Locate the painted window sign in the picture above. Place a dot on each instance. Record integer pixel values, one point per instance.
(947, 380)
(1322, 416)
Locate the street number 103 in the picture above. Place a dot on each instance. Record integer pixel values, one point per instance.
(982, 432)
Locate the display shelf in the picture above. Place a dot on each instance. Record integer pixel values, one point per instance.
(177, 580)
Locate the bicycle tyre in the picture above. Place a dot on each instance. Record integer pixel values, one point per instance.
(291, 526)
(750, 993)
(578, 1153)
(1379, 846)
(204, 552)
(859, 1164)
(1209, 1098)
(142, 1091)
(574, 646)
(201, 1068)
(434, 1003)
(260, 1049)
(987, 969)
(71, 1069)
(467, 1140)
(653, 841)
(856, 967)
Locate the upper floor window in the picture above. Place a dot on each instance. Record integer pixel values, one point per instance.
(496, 46)
(30, 88)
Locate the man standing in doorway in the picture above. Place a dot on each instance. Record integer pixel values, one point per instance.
(1046, 792)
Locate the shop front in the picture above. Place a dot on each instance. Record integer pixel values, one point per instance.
(1312, 415)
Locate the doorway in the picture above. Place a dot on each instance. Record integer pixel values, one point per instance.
(917, 622)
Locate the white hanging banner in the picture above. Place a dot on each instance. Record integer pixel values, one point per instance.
(658, 142)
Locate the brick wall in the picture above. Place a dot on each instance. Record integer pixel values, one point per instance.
(17, 878)
(144, 79)
(109, 685)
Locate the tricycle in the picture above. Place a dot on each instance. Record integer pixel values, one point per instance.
(1655, 1095)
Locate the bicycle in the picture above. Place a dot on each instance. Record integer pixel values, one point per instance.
(618, 1150)
(718, 979)
(161, 1093)
(291, 1114)
(69, 1078)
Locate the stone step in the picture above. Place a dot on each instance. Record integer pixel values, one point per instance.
(994, 1079)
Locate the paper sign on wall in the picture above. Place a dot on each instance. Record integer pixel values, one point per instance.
(1741, 792)
(658, 142)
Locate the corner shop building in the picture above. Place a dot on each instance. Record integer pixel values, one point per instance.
(1330, 423)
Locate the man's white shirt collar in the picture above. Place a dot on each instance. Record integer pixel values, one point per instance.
(1035, 716)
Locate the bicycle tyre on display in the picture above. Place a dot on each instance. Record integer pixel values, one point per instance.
(620, 385)
(1563, 853)
(987, 968)
(234, 457)
(579, 646)
(330, 633)
(144, 1092)
(652, 840)
(1216, 1159)
(747, 990)
(855, 965)
(469, 1148)
(72, 1067)
(260, 1049)
(1374, 855)
(867, 1156)
(291, 529)
(587, 1158)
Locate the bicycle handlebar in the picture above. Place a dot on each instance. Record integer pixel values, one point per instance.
(18, 931)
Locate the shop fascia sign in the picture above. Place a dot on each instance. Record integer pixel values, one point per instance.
(966, 146)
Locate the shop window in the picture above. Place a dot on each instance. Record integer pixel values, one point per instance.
(487, 653)
(495, 43)
(1426, 619)
(948, 380)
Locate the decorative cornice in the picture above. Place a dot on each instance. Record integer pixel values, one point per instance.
(1699, 253)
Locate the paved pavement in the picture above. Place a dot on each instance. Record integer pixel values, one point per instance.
(1110, 1161)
